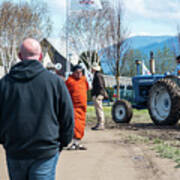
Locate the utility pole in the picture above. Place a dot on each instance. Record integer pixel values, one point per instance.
(67, 40)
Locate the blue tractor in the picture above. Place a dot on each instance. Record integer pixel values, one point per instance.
(160, 94)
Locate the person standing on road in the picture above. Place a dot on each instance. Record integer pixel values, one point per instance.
(177, 70)
(98, 93)
(77, 85)
(36, 116)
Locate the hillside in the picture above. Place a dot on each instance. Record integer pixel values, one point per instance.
(145, 44)
(171, 43)
(138, 42)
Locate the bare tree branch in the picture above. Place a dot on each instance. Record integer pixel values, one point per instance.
(18, 21)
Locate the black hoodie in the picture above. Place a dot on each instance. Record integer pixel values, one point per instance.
(36, 113)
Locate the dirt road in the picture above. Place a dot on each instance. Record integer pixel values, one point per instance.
(110, 157)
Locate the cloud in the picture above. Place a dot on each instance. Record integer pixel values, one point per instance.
(135, 6)
(151, 34)
(57, 6)
(162, 9)
(58, 3)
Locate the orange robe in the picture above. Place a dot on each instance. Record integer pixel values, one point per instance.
(78, 91)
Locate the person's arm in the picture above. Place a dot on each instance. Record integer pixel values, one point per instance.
(89, 80)
(66, 117)
(87, 84)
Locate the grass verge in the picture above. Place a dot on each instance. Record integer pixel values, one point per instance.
(165, 149)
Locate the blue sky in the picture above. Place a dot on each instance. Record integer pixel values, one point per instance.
(143, 17)
(153, 17)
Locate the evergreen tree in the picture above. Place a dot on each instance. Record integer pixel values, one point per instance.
(165, 61)
(130, 65)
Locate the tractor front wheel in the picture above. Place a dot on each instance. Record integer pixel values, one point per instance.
(122, 111)
(164, 102)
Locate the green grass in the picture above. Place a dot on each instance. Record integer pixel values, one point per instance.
(137, 138)
(139, 116)
(107, 111)
(91, 114)
(91, 111)
(166, 150)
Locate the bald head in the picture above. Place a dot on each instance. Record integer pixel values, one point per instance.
(30, 49)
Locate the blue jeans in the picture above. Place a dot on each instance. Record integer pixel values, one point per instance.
(32, 169)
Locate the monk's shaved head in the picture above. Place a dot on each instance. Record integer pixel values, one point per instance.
(30, 49)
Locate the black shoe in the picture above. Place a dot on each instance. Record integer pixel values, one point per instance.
(77, 147)
(81, 147)
(72, 147)
(95, 127)
(98, 127)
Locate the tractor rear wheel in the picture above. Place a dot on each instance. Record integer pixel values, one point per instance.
(164, 102)
(122, 111)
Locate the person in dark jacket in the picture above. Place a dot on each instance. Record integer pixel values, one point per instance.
(36, 116)
(98, 93)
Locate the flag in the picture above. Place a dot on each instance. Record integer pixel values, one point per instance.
(77, 5)
(145, 70)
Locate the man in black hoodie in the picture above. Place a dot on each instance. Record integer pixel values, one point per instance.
(36, 116)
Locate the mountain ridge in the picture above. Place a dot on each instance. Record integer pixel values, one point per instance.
(146, 44)
(140, 42)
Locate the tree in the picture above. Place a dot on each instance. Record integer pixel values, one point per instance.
(176, 43)
(158, 58)
(86, 30)
(18, 21)
(177, 50)
(116, 34)
(165, 61)
(102, 31)
(130, 65)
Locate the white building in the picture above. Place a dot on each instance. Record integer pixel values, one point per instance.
(1, 71)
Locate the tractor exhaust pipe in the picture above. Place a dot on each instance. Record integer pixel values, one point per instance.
(152, 63)
(138, 67)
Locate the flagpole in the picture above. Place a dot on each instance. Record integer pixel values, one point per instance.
(78, 5)
(67, 40)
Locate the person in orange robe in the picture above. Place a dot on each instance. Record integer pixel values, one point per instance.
(77, 85)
